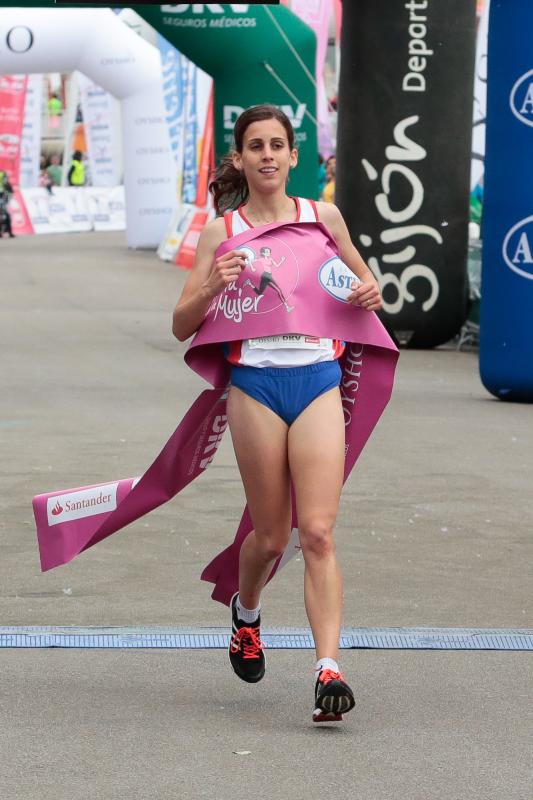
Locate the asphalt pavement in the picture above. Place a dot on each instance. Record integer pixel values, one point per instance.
(434, 530)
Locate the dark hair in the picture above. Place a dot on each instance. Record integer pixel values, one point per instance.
(229, 186)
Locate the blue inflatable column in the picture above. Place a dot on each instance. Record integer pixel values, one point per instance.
(506, 317)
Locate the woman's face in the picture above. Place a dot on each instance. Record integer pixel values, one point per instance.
(266, 157)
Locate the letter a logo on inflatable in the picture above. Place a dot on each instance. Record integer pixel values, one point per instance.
(521, 99)
(518, 248)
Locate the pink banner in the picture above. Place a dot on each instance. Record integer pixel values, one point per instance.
(20, 219)
(316, 14)
(317, 283)
(12, 100)
(72, 520)
(338, 21)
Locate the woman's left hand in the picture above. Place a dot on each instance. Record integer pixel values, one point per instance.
(366, 294)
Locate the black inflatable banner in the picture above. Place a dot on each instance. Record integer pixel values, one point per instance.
(403, 156)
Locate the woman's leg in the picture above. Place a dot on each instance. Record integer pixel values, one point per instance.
(316, 458)
(277, 289)
(260, 442)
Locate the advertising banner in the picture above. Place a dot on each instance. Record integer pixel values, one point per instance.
(174, 68)
(204, 104)
(207, 155)
(37, 203)
(316, 14)
(30, 156)
(72, 130)
(68, 210)
(506, 332)
(191, 137)
(101, 134)
(256, 54)
(187, 251)
(178, 227)
(403, 156)
(12, 99)
(186, 91)
(338, 20)
(64, 211)
(20, 219)
(107, 208)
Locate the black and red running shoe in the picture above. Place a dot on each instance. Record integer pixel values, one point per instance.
(333, 697)
(245, 647)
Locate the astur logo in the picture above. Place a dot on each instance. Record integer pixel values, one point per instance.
(518, 248)
(337, 278)
(521, 98)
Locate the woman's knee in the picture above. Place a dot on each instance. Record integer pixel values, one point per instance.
(272, 544)
(316, 538)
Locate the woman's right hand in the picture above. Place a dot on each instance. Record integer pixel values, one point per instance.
(226, 269)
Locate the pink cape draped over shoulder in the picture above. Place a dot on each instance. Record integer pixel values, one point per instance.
(314, 283)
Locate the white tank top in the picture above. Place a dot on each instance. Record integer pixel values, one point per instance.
(284, 350)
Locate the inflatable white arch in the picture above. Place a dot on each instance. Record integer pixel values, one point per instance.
(98, 44)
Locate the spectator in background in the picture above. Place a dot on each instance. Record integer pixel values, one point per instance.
(6, 190)
(76, 173)
(55, 106)
(55, 111)
(328, 194)
(54, 170)
(44, 180)
(322, 178)
(476, 203)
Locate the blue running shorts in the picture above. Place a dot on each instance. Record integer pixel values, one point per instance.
(287, 391)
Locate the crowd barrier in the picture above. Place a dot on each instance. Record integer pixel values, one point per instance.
(68, 210)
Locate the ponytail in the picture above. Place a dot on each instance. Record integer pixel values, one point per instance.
(228, 187)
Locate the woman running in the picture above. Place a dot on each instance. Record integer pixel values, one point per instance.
(267, 262)
(284, 405)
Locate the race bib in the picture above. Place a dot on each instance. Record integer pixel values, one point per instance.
(289, 341)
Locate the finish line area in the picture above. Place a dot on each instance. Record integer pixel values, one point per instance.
(160, 714)
(276, 639)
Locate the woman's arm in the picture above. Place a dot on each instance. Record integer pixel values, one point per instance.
(208, 277)
(367, 294)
